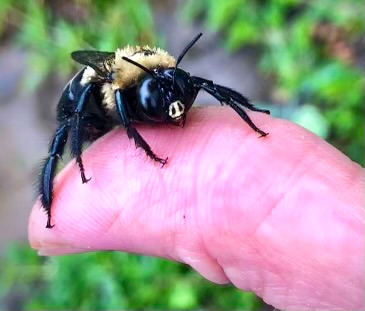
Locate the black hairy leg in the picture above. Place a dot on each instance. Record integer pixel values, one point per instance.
(140, 142)
(81, 125)
(56, 150)
(131, 131)
(239, 98)
(232, 98)
(77, 130)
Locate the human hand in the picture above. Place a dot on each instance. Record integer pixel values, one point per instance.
(282, 216)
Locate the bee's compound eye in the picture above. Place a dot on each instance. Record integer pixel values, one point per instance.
(150, 101)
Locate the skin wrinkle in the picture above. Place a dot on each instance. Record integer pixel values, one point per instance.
(201, 202)
(350, 211)
(352, 180)
(170, 238)
(195, 254)
(104, 223)
(350, 177)
(292, 291)
(200, 244)
(187, 250)
(292, 181)
(219, 171)
(289, 289)
(159, 180)
(117, 215)
(264, 294)
(166, 176)
(104, 200)
(182, 219)
(269, 269)
(304, 265)
(284, 287)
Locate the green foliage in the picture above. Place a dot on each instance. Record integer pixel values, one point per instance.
(109, 280)
(318, 71)
(51, 30)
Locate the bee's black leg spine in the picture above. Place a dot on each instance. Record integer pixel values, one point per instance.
(77, 133)
(232, 99)
(239, 98)
(56, 150)
(131, 131)
(246, 118)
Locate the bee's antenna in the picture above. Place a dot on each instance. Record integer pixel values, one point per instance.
(182, 54)
(150, 72)
(187, 48)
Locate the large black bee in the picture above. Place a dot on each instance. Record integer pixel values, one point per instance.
(133, 84)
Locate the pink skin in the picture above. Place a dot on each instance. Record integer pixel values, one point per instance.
(282, 216)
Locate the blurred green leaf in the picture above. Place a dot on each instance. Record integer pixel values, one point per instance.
(241, 33)
(183, 296)
(310, 117)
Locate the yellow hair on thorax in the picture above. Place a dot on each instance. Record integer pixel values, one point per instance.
(127, 74)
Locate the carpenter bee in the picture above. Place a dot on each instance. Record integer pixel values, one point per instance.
(133, 84)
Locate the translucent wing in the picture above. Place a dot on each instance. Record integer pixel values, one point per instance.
(97, 60)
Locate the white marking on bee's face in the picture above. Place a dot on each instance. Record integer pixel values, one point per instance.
(176, 109)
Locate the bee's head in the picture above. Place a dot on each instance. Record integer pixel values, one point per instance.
(165, 96)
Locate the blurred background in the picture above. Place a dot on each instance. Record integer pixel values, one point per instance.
(301, 59)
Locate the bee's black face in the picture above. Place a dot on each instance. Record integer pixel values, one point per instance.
(168, 98)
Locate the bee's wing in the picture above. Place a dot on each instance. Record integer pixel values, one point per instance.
(95, 59)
